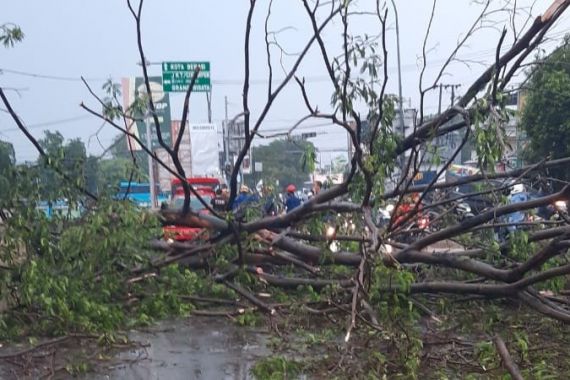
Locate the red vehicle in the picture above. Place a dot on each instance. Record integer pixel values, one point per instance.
(205, 188)
(207, 184)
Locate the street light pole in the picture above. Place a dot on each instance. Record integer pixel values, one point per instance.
(400, 98)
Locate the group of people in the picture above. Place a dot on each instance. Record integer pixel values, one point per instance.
(270, 204)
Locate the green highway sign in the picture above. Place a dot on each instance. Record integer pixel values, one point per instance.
(176, 76)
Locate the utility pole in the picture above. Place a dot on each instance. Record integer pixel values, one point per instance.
(452, 87)
(400, 98)
(439, 103)
(226, 132)
(446, 86)
(252, 167)
(209, 101)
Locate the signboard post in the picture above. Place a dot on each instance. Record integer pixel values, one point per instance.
(143, 125)
(176, 76)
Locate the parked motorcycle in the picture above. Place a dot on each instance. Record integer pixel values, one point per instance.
(384, 215)
(463, 210)
(411, 229)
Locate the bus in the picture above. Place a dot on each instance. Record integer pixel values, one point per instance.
(60, 208)
(139, 193)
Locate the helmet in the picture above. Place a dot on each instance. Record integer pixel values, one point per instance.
(517, 188)
(291, 188)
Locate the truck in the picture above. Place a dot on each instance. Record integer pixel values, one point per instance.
(205, 187)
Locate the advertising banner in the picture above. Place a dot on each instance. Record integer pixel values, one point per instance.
(134, 88)
(205, 153)
(246, 165)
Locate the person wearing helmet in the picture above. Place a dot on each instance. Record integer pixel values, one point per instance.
(243, 197)
(292, 200)
(219, 202)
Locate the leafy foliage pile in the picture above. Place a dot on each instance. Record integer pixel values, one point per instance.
(64, 273)
(73, 276)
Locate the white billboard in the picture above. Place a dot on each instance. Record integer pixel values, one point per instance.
(205, 151)
(246, 165)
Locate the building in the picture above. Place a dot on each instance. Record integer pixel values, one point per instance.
(407, 128)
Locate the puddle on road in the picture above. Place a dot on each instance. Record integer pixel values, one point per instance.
(197, 348)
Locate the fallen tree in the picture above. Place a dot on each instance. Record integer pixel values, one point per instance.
(245, 255)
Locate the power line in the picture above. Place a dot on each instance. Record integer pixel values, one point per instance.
(48, 76)
(49, 123)
(286, 129)
(486, 53)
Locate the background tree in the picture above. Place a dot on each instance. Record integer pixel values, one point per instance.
(546, 115)
(70, 158)
(7, 156)
(117, 165)
(50, 183)
(7, 162)
(339, 164)
(10, 34)
(282, 161)
(75, 158)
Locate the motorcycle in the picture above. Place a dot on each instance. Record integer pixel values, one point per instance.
(412, 229)
(463, 210)
(384, 215)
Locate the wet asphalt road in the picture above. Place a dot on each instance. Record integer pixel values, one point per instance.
(197, 348)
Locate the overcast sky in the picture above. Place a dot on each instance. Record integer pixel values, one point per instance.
(96, 39)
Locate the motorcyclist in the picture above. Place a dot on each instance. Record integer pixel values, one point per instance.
(291, 200)
(243, 197)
